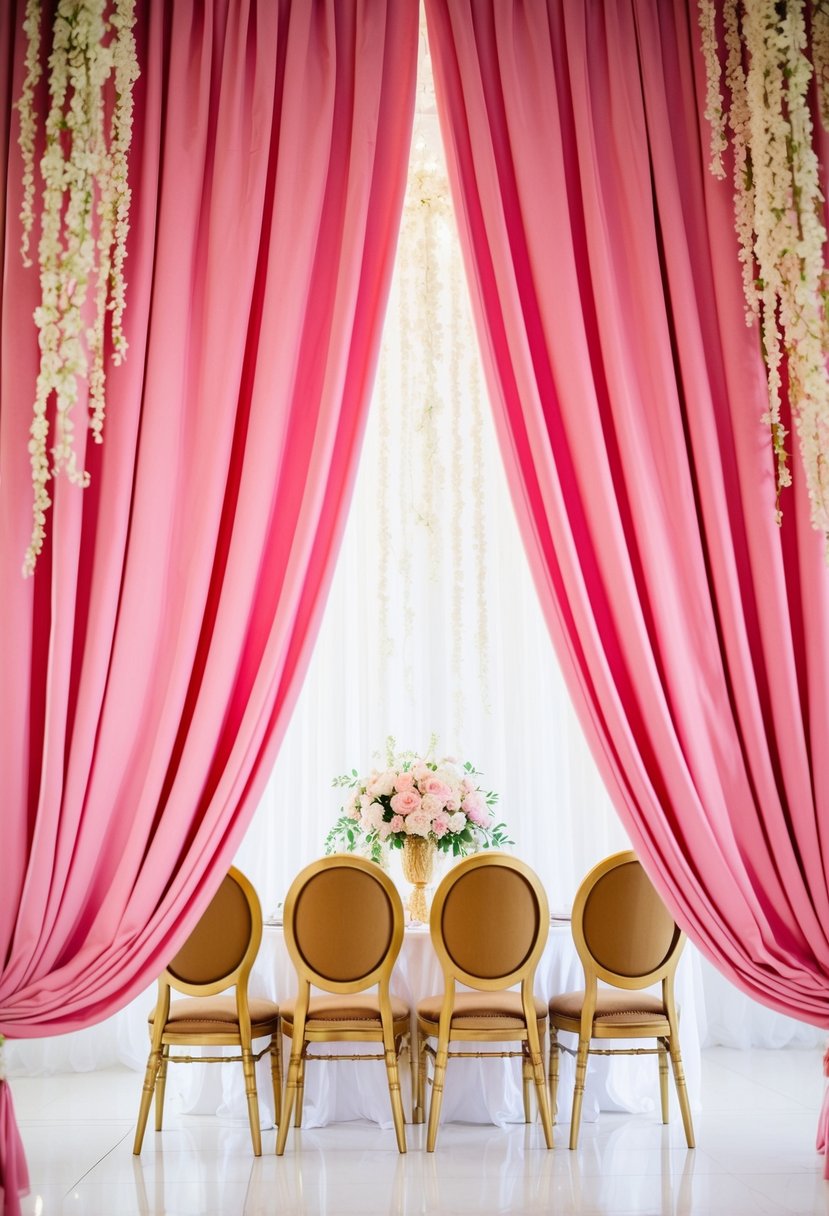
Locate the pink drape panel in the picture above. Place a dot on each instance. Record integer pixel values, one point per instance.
(148, 671)
(628, 394)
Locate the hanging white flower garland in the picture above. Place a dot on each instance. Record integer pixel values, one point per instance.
(778, 208)
(428, 367)
(84, 222)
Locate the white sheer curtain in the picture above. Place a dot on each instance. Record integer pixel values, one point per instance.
(433, 624)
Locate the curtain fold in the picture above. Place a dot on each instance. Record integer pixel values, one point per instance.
(148, 670)
(628, 396)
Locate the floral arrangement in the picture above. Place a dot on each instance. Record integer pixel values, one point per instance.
(414, 796)
(764, 114)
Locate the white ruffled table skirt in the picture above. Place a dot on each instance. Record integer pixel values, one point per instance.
(477, 1091)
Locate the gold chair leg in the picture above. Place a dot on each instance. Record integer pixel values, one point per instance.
(441, 1057)
(537, 1071)
(663, 1082)
(578, 1091)
(153, 1065)
(160, 1087)
(414, 1066)
(682, 1091)
(422, 1065)
(249, 1069)
(393, 1075)
(291, 1086)
(300, 1088)
(403, 1045)
(526, 1086)
(276, 1075)
(554, 1053)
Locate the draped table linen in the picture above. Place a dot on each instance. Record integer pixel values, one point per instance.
(477, 1091)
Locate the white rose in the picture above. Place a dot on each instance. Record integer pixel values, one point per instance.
(383, 784)
(418, 823)
(373, 816)
(431, 805)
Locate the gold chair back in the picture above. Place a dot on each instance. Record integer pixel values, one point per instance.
(622, 929)
(490, 921)
(224, 944)
(343, 924)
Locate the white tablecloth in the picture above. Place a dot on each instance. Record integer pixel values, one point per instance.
(477, 1091)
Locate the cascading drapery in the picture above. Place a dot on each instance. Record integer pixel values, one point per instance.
(148, 669)
(629, 397)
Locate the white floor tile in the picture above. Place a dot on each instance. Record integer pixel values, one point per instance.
(755, 1154)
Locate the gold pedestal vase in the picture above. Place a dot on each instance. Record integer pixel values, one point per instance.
(418, 865)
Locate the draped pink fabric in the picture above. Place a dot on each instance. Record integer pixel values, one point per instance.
(628, 394)
(148, 670)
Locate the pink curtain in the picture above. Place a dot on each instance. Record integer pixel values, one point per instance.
(628, 396)
(148, 671)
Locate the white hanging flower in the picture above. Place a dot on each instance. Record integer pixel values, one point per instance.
(714, 107)
(778, 208)
(84, 173)
(820, 55)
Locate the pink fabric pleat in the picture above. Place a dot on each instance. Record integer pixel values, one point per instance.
(822, 1138)
(14, 1174)
(149, 669)
(628, 397)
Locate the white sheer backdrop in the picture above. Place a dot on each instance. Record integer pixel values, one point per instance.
(432, 625)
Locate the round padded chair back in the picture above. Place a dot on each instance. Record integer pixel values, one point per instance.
(490, 919)
(626, 928)
(220, 942)
(343, 922)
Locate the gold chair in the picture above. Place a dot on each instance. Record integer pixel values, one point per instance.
(343, 929)
(626, 937)
(489, 925)
(217, 955)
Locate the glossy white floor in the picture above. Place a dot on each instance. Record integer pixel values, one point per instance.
(755, 1154)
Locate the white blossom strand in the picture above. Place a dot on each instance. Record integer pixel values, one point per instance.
(778, 207)
(84, 224)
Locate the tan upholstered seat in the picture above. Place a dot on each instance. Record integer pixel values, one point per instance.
(218, 1014)
(619, 1008)
(217, 955)
(626, 938)
(482, 1011)
(346, 1012)
(489, 924)
(343, 929)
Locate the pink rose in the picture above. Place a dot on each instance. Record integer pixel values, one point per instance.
(403, 781)
(397, 823)
(440, 825)
(477, 815)
(405, 802)
(437, 788)
(468, 785)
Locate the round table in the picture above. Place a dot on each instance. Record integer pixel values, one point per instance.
(477, 1091)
